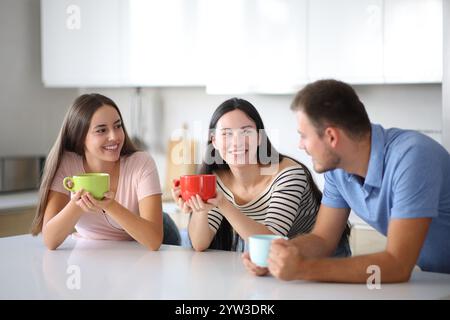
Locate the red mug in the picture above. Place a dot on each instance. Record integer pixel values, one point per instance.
(202, 184)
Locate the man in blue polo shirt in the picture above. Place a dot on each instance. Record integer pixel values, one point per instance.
(398, 181)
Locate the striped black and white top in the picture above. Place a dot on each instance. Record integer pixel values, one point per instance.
(286, 207)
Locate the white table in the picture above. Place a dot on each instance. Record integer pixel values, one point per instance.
(126, 270)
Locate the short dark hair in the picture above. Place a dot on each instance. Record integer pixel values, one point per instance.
(332, 102)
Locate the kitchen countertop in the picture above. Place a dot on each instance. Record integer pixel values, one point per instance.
(13, 201)
(18, 200)
(89, 269)
(10, 202)
(358, 223)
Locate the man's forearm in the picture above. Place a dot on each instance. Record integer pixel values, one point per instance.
(311, 246)
(355, 269)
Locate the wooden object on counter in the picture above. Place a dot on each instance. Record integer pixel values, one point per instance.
(180, 161)
(16, 221)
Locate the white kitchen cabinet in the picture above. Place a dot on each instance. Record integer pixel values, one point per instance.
(224, 37)
(119, 43)
(280, 42)
(345, 40)
(253, 45)
(163, 47)
(82, 42)
(239, 46)
(413, 41)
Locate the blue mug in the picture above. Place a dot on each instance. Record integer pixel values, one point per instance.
(259, 246)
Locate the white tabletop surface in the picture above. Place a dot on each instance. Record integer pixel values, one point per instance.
(126, 270)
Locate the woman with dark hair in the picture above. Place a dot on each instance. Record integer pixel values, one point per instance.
(93, 139)
(259, 191)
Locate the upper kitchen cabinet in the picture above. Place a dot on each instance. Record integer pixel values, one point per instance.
(240, 46)
(162, 44)
(345, 40)
(223, 32)
(413, 41)
(279, 45)
(82, 42)
(253, 45)
(119, 43)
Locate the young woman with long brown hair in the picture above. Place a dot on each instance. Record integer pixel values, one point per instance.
(93, 139)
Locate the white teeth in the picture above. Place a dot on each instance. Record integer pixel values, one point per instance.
(112, 147)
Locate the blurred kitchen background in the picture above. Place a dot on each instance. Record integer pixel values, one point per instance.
(169, 63)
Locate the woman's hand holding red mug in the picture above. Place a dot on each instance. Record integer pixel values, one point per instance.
(195, 193)
(176, 195)
(198, 205)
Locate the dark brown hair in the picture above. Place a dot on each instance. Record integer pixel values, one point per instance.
(72, 137)
(333, 103)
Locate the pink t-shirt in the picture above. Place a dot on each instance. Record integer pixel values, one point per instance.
(138, 179)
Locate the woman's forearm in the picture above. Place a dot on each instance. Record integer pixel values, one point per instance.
(56, 230)
(199, 231)
(201, 235)
(147, 233)
(242, 224)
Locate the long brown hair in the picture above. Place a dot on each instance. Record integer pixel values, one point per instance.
(71, 137)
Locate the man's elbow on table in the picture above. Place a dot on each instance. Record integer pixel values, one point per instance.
(397, 270)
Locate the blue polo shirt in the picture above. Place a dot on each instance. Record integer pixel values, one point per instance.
(408, 177)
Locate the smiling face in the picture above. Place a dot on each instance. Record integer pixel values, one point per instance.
(324, 158)
(236, 138)
(105, 136)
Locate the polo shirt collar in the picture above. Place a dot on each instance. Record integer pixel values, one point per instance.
(376, 159)
(374, 174)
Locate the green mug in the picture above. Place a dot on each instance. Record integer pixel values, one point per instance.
(94, 183)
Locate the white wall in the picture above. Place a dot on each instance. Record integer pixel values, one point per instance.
(405, 106)
(30, 115)
(446, 77)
